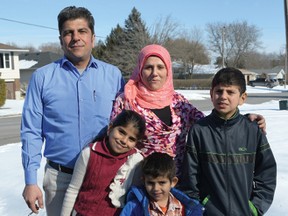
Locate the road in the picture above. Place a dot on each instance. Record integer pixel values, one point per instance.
(253, 98)
(10, 130)
(10, 126)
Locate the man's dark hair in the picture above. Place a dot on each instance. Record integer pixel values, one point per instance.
(159, 164)
(72, 13)
(230, 76)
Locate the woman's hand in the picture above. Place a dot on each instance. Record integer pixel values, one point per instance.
(260, 120)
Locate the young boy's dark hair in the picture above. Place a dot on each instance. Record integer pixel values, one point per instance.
(159, 164)
(230, 76)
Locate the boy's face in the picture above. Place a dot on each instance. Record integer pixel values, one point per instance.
(226, 99)
(159, 188)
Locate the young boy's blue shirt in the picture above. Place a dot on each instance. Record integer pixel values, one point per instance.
(138, 203)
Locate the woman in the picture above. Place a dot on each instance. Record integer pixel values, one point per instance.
(168, 114)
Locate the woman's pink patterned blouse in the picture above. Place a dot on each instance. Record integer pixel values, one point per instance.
(159, 137)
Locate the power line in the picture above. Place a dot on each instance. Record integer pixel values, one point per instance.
(30, 24)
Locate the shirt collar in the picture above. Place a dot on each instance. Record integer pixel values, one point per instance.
(92, 62)
(101, 147)
(172, 205)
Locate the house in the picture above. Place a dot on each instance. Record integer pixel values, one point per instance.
(9, 69)
(29, 62)
(277, 72)
(249, 75)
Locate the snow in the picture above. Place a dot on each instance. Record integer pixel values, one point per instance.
(25, 64)
(12, 179)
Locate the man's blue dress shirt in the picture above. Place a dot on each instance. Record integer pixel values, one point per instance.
(65, 110)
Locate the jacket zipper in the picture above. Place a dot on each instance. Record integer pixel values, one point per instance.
(227, 169)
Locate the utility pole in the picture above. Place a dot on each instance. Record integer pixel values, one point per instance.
(286, 47)
(223, 47)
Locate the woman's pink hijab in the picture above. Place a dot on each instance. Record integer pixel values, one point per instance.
(135, 88)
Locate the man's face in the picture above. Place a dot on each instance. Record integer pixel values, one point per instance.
(77, 41)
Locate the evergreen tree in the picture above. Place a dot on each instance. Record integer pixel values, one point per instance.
(123, 44)
(99, 50)
(108, 51)
(136, 36)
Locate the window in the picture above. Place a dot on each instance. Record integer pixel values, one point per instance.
(5, 61)
(1, 60)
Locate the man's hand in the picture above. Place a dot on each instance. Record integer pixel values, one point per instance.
(33, 197)
(260, 120)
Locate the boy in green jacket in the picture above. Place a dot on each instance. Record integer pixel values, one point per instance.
(228, 163)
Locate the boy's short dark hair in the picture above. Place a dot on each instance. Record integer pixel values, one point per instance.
(159, 164)
(72, 13)
(230, 76)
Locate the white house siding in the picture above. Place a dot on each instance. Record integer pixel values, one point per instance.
(11, 75)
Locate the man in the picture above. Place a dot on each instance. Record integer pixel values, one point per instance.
(67, 103)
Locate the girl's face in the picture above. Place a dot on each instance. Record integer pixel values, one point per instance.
(154, 73)
(122, 138)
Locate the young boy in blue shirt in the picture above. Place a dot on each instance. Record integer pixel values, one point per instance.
(158, 196)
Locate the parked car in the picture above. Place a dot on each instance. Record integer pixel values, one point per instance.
(269, 83)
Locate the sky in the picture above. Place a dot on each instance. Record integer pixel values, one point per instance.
(267, 15)
(12, 178)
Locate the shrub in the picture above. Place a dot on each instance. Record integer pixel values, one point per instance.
(2, 92)
(192, 83)
(196, 82)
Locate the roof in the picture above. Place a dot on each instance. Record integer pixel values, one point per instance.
(247, 72)
(39, 58)
(274, 70)
(5, 47)
(277, 69)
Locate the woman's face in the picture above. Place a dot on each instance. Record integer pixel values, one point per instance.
(154, 73)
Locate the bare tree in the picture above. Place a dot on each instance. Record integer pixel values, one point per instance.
(256, 60)
(189, 50)
(239, 39)
(51, 47)
(29, 47)
(163, 30)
